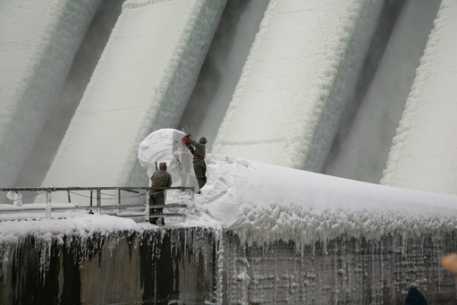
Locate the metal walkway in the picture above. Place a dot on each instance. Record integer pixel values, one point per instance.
(124, 201)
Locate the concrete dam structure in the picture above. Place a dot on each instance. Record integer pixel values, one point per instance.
(331, 158)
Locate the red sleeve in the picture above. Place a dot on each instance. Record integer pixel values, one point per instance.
(185, 140)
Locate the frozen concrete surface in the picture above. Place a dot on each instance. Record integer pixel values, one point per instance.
(222, 68)
(424, 154)
(38, 41)
(142, 81)
(362, 148)
(59, 117)
(298, 76)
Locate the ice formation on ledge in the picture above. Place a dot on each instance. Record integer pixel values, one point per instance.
(295, 84)
(141, 82)
(424, 154)
(38, 41)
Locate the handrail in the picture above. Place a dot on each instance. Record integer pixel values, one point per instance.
(87, 188)
(98, 207)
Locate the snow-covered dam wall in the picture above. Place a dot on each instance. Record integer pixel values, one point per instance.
(38, 41)
(148, 265)
(299, 75)
(142, 82)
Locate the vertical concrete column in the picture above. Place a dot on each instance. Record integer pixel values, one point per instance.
(38, 41)
(295, 84)
(424, 151)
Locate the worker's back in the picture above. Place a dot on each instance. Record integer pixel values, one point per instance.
(161, 179)
(200, 151)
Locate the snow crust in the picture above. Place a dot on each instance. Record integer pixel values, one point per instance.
(423, 155)
(290, 96)
(142, 82)
(38, 41)
(267, 203)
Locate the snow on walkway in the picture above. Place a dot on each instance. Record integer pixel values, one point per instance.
(84, 226)
(142, 81)
(301, 70)
(424, 151)
(38, 41)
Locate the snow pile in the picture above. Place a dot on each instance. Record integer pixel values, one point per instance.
(38, 41)
(165, 145)
(266, 203)
(424, 154)
(142, 82)
(83, 226)
(294, 85)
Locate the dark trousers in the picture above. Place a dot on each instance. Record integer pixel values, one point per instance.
(200, 171)
(156, 198)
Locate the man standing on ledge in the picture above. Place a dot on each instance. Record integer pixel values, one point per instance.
(198, 150)
(160, 181)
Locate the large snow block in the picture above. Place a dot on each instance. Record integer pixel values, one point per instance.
(38, 41)
(300, 73)
(141, 83)
(423, 153)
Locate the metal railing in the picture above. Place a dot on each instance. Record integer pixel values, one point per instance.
(92, 199)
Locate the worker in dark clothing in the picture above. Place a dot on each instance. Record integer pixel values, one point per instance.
(415, 297)
(160, 181)
(198, 150)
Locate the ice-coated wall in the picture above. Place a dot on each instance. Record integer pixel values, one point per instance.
(349, 271)
(298, 76)
(207, 266)
(124, 267)
(424, 154)
(38, 40)
(142, 82)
